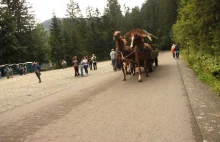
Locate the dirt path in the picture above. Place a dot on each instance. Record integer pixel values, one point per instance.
(100, 107)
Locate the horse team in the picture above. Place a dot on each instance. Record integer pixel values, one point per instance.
(134, 55)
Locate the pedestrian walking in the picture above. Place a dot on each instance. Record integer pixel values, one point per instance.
(173, 50)
(76, 66)
(81, 67)
(85, 65)
(94, 62)
(114, 59)
(37, 71)
(177, 50)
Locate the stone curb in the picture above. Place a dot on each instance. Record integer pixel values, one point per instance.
(205, 103)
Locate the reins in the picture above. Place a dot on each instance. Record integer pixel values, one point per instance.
(125, 56)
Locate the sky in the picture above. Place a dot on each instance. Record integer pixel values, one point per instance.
(44, 8)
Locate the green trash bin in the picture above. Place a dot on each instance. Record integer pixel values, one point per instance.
(29, 67)
(15, 69)
(2, 67)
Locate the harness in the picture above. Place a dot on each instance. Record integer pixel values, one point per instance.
(125, 56)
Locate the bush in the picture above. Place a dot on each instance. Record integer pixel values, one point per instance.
(206, 67)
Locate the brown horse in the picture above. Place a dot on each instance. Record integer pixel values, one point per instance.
(124, 53)
(142, 52)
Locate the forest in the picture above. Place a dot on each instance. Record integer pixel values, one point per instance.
(194, 24)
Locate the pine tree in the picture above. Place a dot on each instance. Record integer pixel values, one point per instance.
(73, 10)
(8, 41)
(56, 41)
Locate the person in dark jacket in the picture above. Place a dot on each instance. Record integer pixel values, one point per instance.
(37, 71)
(177, 50)
(90, 62)
(76, 66)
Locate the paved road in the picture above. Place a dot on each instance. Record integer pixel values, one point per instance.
(103, 108)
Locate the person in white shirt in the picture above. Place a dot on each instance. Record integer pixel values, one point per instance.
(173, 50)
(114, 59)
(64, 64)
(85, 65)
(94, 61)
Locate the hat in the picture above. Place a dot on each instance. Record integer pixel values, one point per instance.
(93, 54)
(112, 49)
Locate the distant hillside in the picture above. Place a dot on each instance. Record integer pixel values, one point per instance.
(47, 24)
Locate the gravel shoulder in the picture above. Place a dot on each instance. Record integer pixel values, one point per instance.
(205, 103)
(25, 89)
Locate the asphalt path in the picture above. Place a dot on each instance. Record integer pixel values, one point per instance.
(102, 108)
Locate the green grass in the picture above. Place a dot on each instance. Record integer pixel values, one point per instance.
(206, 67)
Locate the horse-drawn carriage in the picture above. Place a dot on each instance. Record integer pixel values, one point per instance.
(139, 54)
(153, 59)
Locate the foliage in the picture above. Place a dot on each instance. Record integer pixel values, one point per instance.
(56, 41)
(18, 39)
(206, 67)
(197, 29)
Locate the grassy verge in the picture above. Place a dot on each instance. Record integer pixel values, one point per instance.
(207, 67)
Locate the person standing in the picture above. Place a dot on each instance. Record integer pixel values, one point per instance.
(90, 62)
(114, 59)
(76, 66)
(64, 64)
(25, 69)
(10, 72)
(51, 65)
(173, 50)
(37, 71)
(94, 61)
(6, 70)
(21, 68)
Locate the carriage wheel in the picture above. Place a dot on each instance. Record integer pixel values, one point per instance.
(156, 61)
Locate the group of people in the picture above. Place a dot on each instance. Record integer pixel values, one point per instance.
(85, 62)
(175, 49)
(22, 70)
(9, 72)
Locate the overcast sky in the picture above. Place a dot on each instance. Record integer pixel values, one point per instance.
(44, 8)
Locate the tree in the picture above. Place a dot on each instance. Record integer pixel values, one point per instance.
(73, 10)
(8, 41)
(41, 49)
(56, 41)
